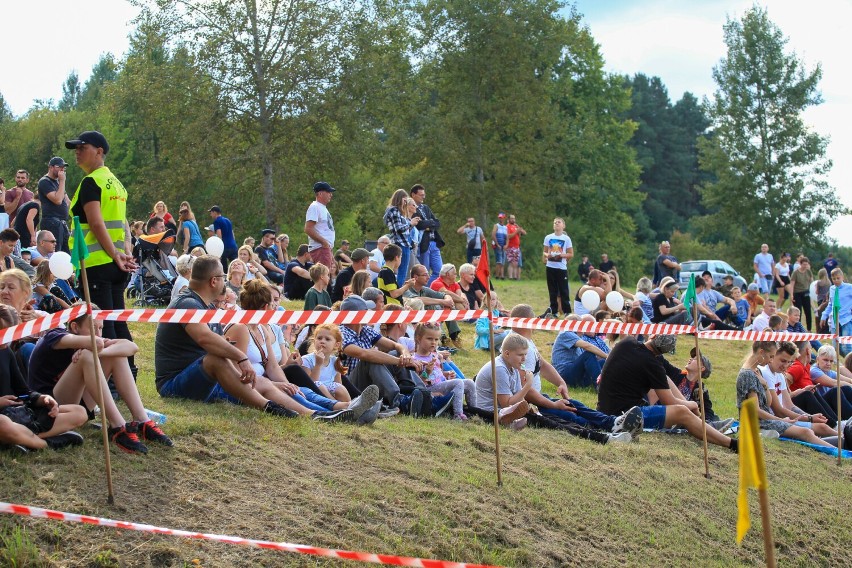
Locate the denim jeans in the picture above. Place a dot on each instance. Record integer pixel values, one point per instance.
(582, 371)
(402, 271)
(431, 259)
(584, 416)
(314, 401)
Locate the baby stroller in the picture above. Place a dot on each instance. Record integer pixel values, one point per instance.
(156, 272)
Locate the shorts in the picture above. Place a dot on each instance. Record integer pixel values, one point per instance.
(500, 255)
(322, 255)
(765, 284)
(513, 254)
(37, 419)
(654, 416)
(195, 384)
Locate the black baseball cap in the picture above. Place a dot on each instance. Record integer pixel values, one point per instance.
(92, 137)
(57, 161)
(214, 209)
(323, 186)
(265, 232)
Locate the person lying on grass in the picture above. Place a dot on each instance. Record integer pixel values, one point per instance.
(780, 402)
(194, 360)
(255, 340)
(564, 407)
(632, 369)
(427, 337)
(63, 364)
(376, 360)
(514, 390)
(751, 384)
(30, 420)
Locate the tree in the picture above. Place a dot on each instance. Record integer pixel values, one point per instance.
(71, 92)
(769, 167)
(105, 71)
(270, 60)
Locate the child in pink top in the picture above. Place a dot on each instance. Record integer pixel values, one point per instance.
(427, 337)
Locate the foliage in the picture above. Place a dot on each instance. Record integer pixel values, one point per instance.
(769, 167)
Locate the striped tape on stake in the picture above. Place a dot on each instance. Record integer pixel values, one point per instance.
(37, 512)
(36, 326)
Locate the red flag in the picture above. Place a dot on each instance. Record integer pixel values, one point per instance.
(483, 272)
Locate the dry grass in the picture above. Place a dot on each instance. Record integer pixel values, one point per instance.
(424, 488)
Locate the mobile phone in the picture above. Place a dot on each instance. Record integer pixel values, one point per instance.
(23, 398)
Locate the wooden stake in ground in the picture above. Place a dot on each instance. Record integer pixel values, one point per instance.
(837, 374)
(701, 391)
(494, 384)
(98, 373)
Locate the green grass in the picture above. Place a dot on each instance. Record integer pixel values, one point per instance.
(423, 488)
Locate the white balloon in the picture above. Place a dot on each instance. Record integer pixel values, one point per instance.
(614, 301)
(215, 246)
(590, 300)
(60, 265)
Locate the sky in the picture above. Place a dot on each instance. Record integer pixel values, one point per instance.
(678, 41)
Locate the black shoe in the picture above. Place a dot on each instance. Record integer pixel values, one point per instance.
(426, 407)
(334, 416)
(69, 438)
(16, 449)
(150, 432)
(547, 313)
(415, 403)
(126, 438)
(273, 407)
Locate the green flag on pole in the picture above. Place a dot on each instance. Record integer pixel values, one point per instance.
(79, 250)
(689, 297)
(835, 309)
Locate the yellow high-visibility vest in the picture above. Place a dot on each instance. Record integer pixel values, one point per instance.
(114, 212)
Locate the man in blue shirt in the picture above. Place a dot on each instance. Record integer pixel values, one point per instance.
(843, 291)
(763, 265)
(225, 231)
(579, 359)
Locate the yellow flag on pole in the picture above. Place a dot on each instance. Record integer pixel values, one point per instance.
(752, 467)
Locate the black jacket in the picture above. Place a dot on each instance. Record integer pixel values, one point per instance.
(429, 224)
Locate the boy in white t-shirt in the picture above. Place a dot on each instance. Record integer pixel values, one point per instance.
(558, 250)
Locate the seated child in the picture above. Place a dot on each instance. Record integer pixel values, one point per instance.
(30, 420)
(323, 364)
(427, 337)
(63, 365)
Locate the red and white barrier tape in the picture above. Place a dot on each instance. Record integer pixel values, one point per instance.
(287, 317)
(763, 335)
(36, 326)
(37, 512)
(594, 327)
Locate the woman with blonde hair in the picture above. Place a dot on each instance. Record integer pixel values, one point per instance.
(160, 210)
(254, 269)
(236, 276)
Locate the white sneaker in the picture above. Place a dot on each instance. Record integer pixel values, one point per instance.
(620, 438)
(770, 434)
(631, 421)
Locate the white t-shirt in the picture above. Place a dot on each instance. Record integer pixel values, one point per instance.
(761, 322)
(379, 258)
(533, 357)
(318, 213)
(775, 381)
(327, 373)
(179, 286)
(557, 245)
(783, 270)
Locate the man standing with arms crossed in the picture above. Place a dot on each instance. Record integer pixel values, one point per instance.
(319, 226)
(55, 202)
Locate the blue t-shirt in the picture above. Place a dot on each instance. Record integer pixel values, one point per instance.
(711, 298)
(764, 262)
(195, 239)
(564, 349)
(224, 224)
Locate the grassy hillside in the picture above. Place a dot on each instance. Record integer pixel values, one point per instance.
(423, 488)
